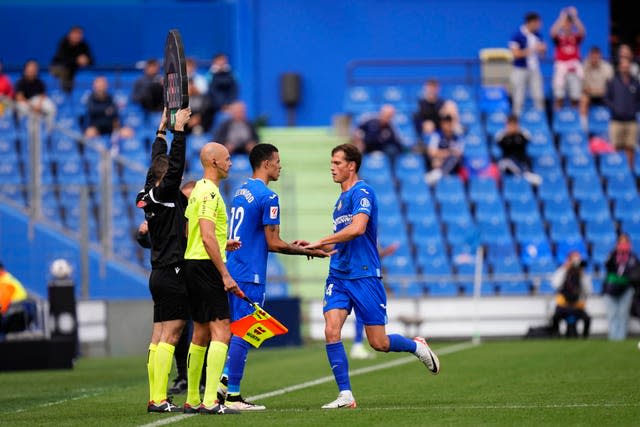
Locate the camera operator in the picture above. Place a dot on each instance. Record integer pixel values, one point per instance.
(573, 285)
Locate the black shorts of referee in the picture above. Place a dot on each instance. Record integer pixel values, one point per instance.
(208, 300)
(169, 293)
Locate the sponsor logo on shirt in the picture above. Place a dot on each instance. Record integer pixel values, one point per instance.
(365, 203)
(273, 212)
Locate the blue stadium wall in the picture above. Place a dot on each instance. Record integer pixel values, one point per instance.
(29, 259)
(268, 37)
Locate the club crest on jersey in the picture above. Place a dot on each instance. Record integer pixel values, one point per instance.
(273, 212)
(365, 203)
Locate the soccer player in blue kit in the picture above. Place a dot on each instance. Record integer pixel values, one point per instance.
(354, 280)
(254, 220)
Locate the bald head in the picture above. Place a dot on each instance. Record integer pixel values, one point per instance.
(215, 159)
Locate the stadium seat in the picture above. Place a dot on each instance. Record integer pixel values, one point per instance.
(534, 120)
(360, 97)
(450, 188)
(566, 229)
(534, 250)
(612, 164)
(395, 95)
(9, 169)
(490, 211)
(494, 98)
(496, 121)
(621, 187)
(573, 142)
(540, 144)
(631, 226)
(524, 210)
(597, 229)
(494, 232)
(433, 247)
(579, 165)
(399, 265)
(496, 249)
(516, 188)
(556, 210)
(598, 119)
(409, 163)
(454, 211)
(626, 209)
(600, 250)
(417, 212)
(547, 164)
(553, 187)
(483, 189)
(565, 120)
(587, 187)
(594, 210)
(565, 247)
(461, 232)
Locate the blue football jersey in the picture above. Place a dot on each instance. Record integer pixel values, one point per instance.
(359, 257)
(253, 207)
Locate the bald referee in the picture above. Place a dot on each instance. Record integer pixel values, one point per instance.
(163, 203)
(208, 281)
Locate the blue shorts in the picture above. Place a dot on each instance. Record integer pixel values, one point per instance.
(366, 296)
(239, 307)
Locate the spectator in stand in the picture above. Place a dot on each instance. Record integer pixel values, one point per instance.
(572, 285)
(621, 275)
(431, 107)
(73, 53)
(198, 99)
(527, 47)
(513, 141)
(223, 87)
(237, 133)
(624, 51)
(6, 87)
(567, 33)
(597, 72)
(147, 89)
(623, 99)
(445, 151)
(377, 133)
(31, 97)
(6, 90)
(102, 116)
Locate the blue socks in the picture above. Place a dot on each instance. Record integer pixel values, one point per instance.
(236, 360)
(398, 343)
(359, 331)
(339, 365)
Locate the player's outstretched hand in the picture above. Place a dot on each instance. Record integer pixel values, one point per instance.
(302, 243)
(233, 245)
(320, 253)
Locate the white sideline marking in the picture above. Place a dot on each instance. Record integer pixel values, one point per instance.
(475, 407)
(97, 392)
(398, 362)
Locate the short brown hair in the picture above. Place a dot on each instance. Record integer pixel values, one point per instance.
(351, 154)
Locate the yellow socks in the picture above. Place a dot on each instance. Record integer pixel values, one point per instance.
(195, 361)
(164, 359)
(151, 363)
(215, 363)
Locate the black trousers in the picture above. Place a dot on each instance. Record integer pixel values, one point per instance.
(571, 316)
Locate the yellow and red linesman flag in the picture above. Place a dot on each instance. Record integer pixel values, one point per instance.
(257, 327)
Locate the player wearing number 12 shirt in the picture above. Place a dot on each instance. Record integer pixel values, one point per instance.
(254, 220)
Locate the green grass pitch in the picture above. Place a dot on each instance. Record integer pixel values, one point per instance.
(498, 383)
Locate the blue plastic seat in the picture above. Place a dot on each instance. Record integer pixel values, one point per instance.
(613, 164)
(493, 98)
(598, 119)
(557, 210)
(449, 188)
(483, 189)
(359, 97)
(573, 142)
(547, 164)
(496, 121)
(523, 210)
(587, 187)
(621, 187)
(565, 247)
(394, 94)
(594, 210)
(566, 119)
(533, 119)
(564, 230)
(9, 169)
(461, 232)
(535, 249)
(579, 165)
(554, 187)
(540, 144)
(516, 188)
(494, 232)
(416, 212)
(627, 210)
(599, 229)
(454, 211)
(490, 211)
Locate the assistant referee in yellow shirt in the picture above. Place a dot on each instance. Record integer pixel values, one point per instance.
(208, 281)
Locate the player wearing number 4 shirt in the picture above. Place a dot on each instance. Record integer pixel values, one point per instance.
(255, 222)
(354, 281)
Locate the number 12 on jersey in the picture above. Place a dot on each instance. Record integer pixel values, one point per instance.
(237, 215)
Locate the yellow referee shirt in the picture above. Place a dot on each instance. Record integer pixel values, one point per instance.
(205, 202)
